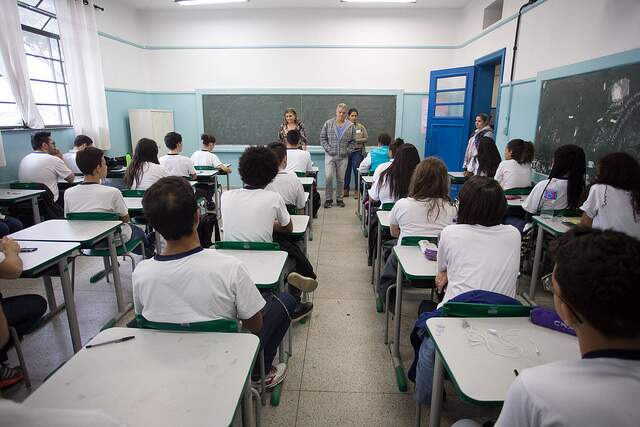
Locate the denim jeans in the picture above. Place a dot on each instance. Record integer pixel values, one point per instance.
(355, 159)
(275, 323)
(424, 371)
(10, 225)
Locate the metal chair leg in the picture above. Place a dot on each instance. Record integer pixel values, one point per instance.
(387, 311)
(418, 414)
(16, 343)
(105, 261)
(263, 379)
(258, 406)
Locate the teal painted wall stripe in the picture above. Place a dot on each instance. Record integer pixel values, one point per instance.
(483, 33)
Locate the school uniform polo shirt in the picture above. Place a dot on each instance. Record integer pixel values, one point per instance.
(194, 286)
(205, 158)
(151, 172)
(511, 174)
(612, 209)
(287, 185)
(177, 165)
(298, 161)
(43, 168)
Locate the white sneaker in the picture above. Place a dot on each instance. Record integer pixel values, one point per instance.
(276, 375)
(305, 284)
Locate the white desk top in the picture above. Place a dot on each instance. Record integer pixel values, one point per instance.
(47, 252)
(7, 194)
(315, 169)
(367, 179)
(264, 267)
(157, 379)
(306, 180)
(456, 174)
(554, 224)
(300, 223)
(384, 218)
(483, 376)
(206, 172)
(76, 180)
(516, 203)
(61, 230)
(414, 263)
(133, 203)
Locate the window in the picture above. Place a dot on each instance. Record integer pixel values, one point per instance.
(492, 14)
(45, 65)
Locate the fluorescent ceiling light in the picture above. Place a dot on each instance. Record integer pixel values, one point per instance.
(202, 2)
(378, 1)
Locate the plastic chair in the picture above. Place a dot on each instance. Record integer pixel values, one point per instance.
(520, 191)
(132, 193)
(387, 206)
(292, 209)
(247, 246)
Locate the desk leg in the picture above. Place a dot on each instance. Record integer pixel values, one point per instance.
(358, 194)
(51, 296)
(395, 349)
(115, 270)
(70, 303)
(378, 260)
(216, 195)
(310, 213)
(536, 263)
(247, 405)
(227, 175)
(36, 210)
(436, 392)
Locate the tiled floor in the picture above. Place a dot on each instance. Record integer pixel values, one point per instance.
(340, 373)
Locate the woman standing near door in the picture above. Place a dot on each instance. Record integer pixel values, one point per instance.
(483, 128)
(356, 156)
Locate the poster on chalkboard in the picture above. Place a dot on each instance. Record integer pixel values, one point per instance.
(599, 111)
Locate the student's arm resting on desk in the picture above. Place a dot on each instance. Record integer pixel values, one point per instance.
(282, 217)
(10, 262)
(442, 279)
(249, 302)
(395, 230)
(278, 228)
(586, 220)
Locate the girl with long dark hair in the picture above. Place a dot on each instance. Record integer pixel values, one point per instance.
(488, 157)
(145, 168)
(393, 183)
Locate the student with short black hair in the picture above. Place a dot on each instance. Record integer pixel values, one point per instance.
(145, 169)
(297, 160)
(286, 184)
(173, 162)
(206, 157)
(596, 288)
(614, 198)
(92, 196)
(253, 214)
(45, 165)
(515, 170)
(80, 143)
(188, 283)
(565, 186)
(378, 155)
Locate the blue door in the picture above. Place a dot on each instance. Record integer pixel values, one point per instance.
(449, 115)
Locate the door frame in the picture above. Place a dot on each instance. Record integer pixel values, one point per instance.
(481, 66)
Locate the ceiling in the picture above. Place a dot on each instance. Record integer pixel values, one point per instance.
(297, 4)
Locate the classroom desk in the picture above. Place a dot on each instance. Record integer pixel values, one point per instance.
(77, 179)
(367, 181)
(383, 224)
(457, 177)
(47, 255)
(134, 204)
(553, 226)
(116, 173)
(11, 197)
(307, 184)
(489, 376)
(414, 266)
(515, 201)
(87, 233)
(155, 380)
(301, 228)
(211, 176)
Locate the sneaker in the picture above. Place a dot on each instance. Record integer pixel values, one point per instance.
(328, 203)
(305, 284)
(340, 204)
(9, 376)
(303, 310)
(355, 196)
(276, 375)
(345, 193)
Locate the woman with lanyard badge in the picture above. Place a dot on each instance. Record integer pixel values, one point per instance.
(483, 128)
(357, 155)
(290, 122)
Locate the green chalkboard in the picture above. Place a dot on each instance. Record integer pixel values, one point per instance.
(255, 119)
(599, 111)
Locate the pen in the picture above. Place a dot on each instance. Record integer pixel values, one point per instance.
(123, 339)
(515, 371)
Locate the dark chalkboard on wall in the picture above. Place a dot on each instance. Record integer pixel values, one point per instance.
(599, 111)
(255, 119)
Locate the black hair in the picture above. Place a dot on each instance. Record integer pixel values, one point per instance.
(352, 110)
(482, 202)
(146, 151)
(169, 206)
(598, 276)
(484, 117)
(82, 140)
(569, 162)
(207, 139)
(398, 174)
(384, 139)
(172, 139)
(89, 159)
(521, 151)
(395, 145)
(39, 139)
(488, 157)
(258, 166)
(622, 171)
(279, 150)
(293, 137)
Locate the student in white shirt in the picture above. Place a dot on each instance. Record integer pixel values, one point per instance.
(297, 160)
(390, 185)
(190, 284)
(45, 165)
(515, 170)
(565, 186)
(173, 162)
(614, 197)
(206, 157)
(80, 143)
(145, 169)
(595, 286)
(253, 214)
(92, 196)
(286, 183)
(426, 210)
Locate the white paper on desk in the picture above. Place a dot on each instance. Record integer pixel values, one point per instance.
(3, 160)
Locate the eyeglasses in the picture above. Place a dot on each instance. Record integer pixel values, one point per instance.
(547, 284)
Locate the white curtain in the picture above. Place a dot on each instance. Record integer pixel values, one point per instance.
(83, 65)
(13, 64)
